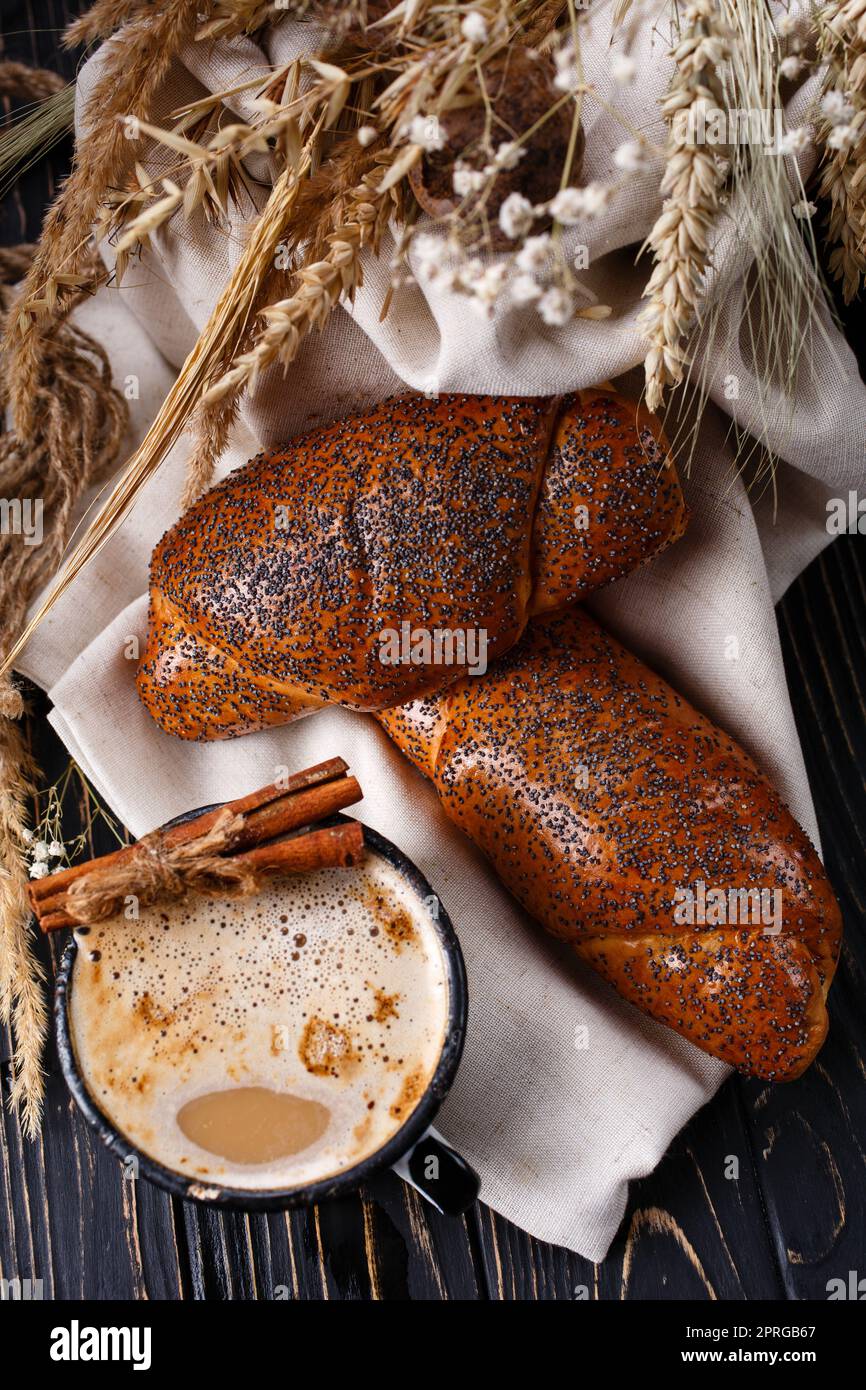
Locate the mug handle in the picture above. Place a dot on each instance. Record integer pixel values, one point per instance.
(438, 1172)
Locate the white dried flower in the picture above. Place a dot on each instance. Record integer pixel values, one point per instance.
(556, 307)
(791, 66)
(794, 141)
(28, 836)
(56, 849)
(366, 135)
(842, 137)
(631, 157)
(836, 107)
(490, 282)
(40, 850)
(623, 69)
(571, 204)
(486, 284)
(508, 155)
(567, 207)
(534, 253)
(595, 198)
(39, 869)
(804, 209)
(474, 28)
(466, 180)
(515, 215)
(428, 254)
(567, 77)
(525, 290)
(426, 132)
(787, 25)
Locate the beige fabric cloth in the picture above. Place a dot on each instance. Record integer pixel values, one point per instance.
(555, 1130)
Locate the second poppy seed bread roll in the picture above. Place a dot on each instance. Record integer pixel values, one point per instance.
(635, 830)
(454, 514)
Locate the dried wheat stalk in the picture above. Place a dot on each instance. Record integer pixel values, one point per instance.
(134, 68)
(321, 284)
(18, 83)
(81, 425)
(842, 40)
(692, 180)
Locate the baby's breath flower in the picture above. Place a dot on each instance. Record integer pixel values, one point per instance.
(631, 157)
(571, 204)
(466, 180)
(56, 849)
(40, 850)
(567, 77)
(486, 285)
(428, 253)
(804, 209)
(474, 28)
(28, 836)
(842, 137)
(794, 141)
(39, 869)
(366, 135)
(525, 290)
(786, 25)
(556, 307)
(567, 206)
(836, 107)
(595, 198)
(426, 132)
(508, 155)
(534, 253)
(623, 69)
(515, 215)
(791, 66)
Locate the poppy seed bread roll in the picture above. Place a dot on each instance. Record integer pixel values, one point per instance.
(616, 814)
(456, 514)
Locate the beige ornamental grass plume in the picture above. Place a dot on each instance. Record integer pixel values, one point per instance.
(681, 237)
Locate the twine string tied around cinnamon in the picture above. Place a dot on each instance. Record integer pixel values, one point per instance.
(156, 870)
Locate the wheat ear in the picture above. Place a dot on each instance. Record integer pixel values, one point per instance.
(680, 239)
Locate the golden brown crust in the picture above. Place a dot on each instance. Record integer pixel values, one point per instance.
(600, 796)
(449, 513)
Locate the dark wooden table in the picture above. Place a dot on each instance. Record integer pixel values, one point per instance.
(795, 1218)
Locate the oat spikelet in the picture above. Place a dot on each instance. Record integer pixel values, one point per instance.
(134, 68)
(691, 184)
(842, 39)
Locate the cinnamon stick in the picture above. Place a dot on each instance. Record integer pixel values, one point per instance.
(305, 797)
(337, 846)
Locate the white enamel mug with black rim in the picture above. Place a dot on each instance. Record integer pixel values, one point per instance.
(416, 1152)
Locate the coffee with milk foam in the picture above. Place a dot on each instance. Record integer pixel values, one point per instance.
(264, 1042)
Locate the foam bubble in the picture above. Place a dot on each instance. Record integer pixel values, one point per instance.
(329, 986)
